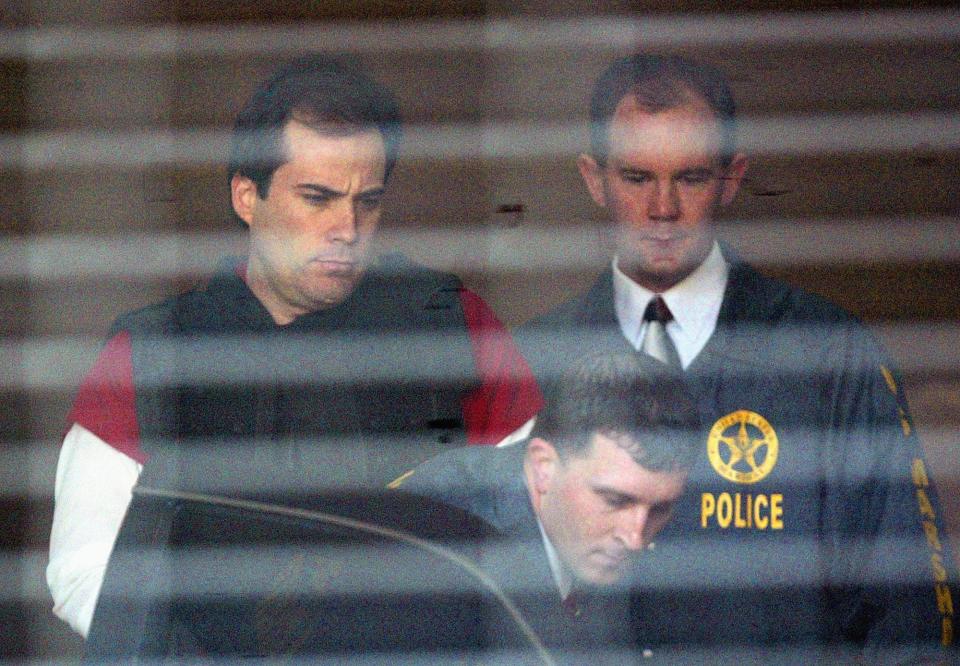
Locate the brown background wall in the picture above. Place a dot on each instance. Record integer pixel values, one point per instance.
(852, 190)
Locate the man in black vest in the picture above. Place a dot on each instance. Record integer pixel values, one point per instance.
(811, 529)
(577, 506)
(305, 368)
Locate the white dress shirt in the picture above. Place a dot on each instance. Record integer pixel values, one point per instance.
(694, 301)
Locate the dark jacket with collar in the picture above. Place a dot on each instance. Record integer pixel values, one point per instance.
(809, 526)
(354, 395)
(334, 405)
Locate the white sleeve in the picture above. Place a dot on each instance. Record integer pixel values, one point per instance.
(91, 495)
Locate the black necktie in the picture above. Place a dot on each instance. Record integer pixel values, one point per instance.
(656, 341)
(573, 604)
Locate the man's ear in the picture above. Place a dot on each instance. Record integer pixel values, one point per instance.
(542, 463)
(732, 177)
(243, 197)
(592, 174)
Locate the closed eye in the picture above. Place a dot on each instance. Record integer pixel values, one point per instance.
(318, 199)
(615, 500)
(318, 195)
(698, 177)
(636, 176)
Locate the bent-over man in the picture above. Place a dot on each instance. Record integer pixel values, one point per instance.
(579, 502)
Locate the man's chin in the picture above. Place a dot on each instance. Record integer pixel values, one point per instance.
(658, 273)
(603, 574)
(330, 290)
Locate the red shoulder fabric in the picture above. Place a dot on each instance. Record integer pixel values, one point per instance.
(508, 395)
(106, 403)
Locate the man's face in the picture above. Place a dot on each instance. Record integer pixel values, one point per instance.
(309, 237)
(599, 508)
(662, 185)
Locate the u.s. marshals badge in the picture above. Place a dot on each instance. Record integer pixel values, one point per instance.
(742, 447)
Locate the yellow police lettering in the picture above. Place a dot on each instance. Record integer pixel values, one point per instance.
(939, 571)
(724, 510)
(944, 599)
(742, 511)
(739, 520)
(946, 633)
(708, 505)
(919, 473)
(933, 538)
(759, 519)
(926, 508)
(776, 511)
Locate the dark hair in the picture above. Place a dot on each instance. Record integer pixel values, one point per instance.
(321, 93)
(641, 404)
(660, 82)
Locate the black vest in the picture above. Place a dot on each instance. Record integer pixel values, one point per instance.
(342, 399)
(320, 414)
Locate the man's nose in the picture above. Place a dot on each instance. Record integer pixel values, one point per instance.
(632, 527)
(664, 202)
(343, 223)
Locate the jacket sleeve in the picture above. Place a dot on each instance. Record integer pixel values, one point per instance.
(890, 565)
(100, 461)
(91, 496)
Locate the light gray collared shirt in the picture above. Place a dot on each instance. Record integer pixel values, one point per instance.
(560, 574)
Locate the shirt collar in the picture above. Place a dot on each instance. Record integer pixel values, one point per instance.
(560, 574)
(694, 301)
